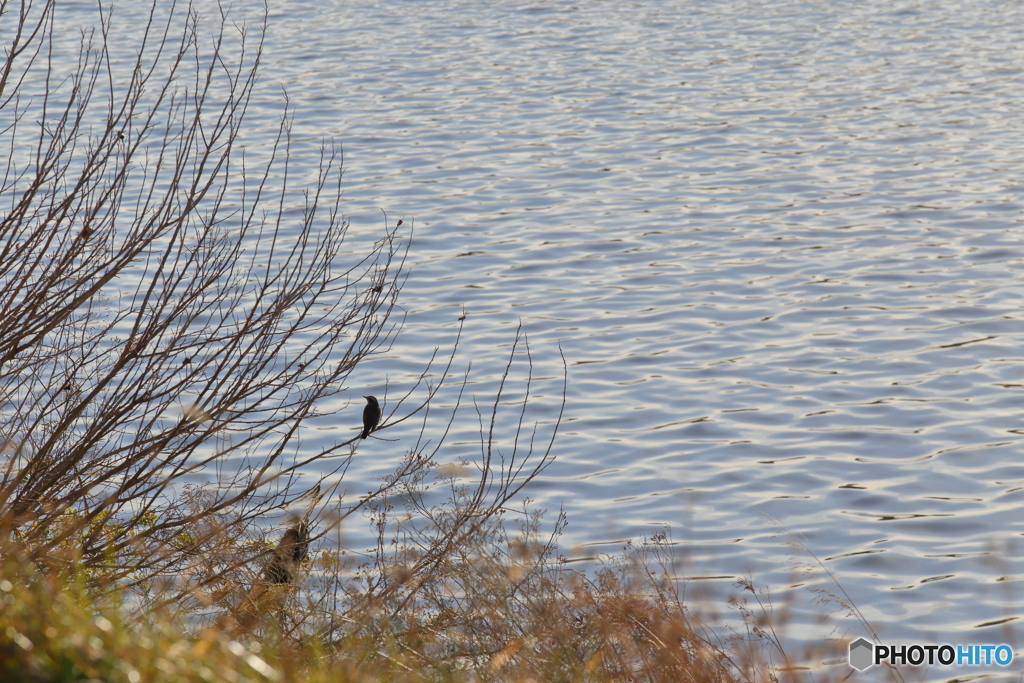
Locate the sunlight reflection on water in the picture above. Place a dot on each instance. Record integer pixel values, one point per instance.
(778, 244)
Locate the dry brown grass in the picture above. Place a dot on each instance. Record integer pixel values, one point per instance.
(495, 609)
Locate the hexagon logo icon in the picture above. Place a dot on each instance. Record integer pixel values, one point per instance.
(862, 653)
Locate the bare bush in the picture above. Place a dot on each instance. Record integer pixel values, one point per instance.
(168, 314)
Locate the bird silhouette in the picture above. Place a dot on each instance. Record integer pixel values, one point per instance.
(371, 416)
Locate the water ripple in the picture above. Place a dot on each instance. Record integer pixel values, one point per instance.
(778, 242)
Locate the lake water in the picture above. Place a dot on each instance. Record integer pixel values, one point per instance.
(779, 244)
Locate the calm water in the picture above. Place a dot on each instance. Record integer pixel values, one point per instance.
(780, 245)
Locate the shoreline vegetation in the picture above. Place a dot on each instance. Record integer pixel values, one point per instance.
(499, 608)
(172, 316)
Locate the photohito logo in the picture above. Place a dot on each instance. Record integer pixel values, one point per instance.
(864, 653)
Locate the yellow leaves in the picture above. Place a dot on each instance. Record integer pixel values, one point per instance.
(449, 470)
(506, 653)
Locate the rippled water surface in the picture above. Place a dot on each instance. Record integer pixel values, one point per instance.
(778, 243)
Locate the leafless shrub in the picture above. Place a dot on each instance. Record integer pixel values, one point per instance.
(168, 314)
(465, 584)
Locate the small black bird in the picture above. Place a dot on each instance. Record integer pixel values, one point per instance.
(371, 416)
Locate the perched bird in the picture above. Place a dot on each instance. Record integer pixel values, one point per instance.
(289, 555)
(371, 416)
(282, 573)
